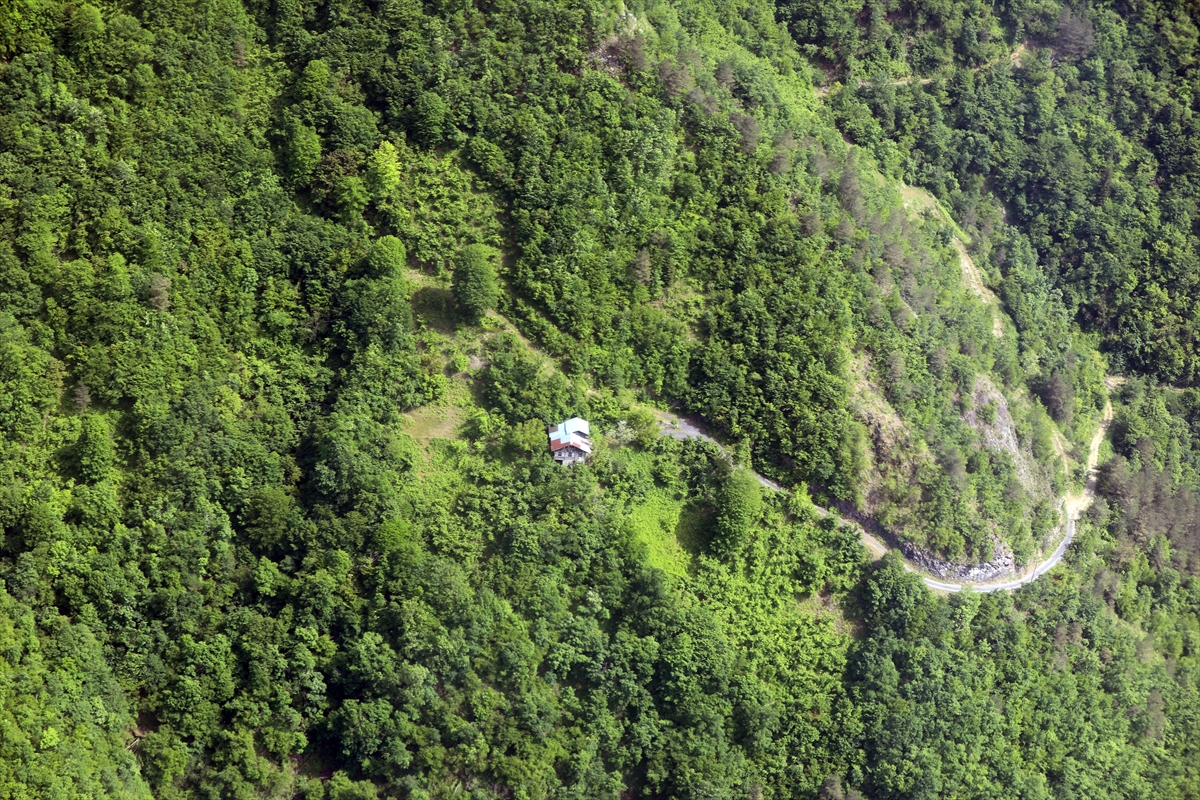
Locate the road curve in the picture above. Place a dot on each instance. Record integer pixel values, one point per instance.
(1028, 577)
(1073, 505)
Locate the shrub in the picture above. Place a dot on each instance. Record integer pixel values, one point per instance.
(474, 284)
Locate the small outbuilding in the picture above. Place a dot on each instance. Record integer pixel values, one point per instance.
(570, 441)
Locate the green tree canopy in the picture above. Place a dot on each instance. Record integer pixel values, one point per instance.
(475, 286)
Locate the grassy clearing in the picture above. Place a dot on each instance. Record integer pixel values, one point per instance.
(654, 523)
(433, 422)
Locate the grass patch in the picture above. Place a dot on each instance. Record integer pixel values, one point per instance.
(433, 422)
(654, 523)
(434, 306)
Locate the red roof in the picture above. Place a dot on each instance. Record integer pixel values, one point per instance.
(575, 440)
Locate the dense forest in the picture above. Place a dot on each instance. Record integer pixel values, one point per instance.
(289, 293)
(1061, 133)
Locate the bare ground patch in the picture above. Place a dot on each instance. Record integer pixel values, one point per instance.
(1001, 435)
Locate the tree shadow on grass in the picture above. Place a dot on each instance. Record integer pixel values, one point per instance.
(694, 530)
(434, 306)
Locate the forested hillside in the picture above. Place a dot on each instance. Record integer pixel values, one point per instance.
(1065, 135)
(289, 292)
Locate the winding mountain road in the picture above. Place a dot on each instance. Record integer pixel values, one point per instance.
(1072, 504)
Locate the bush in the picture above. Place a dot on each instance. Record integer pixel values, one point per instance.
(474, 286)
(1058, 395)
(387, 258)
(303, 151)
(739, 501)
(431, 112)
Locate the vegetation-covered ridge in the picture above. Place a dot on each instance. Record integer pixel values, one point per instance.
(1063, 136)
(288, 293)
(999, 575)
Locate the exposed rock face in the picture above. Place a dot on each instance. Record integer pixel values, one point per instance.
(1001, 435)
(1002, 565)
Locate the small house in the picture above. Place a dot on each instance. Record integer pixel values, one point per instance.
(570, 441)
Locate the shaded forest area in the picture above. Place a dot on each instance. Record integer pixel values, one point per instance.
(1150, 485)
(288, 293)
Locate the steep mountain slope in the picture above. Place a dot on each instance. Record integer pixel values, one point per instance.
(1075, 124)
(287, 295)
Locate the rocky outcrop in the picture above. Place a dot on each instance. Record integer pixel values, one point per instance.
(1000, 435)
(1002, 565)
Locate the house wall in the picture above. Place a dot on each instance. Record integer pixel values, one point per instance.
(569, 455)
